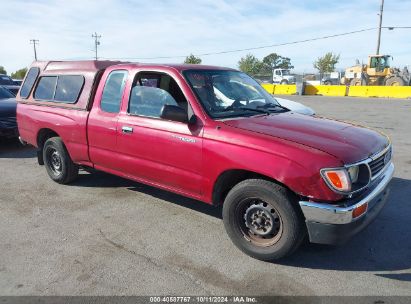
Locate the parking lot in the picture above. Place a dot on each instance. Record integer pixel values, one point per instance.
(104, 235)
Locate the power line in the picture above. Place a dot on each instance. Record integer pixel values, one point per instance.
(96, 42)
(265, 46)
(34, 42)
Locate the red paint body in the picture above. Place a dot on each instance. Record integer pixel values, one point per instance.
(289, 148)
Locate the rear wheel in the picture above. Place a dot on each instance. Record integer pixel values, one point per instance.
(262, 219)
(57, 161)
(284, 82)
(395, 81)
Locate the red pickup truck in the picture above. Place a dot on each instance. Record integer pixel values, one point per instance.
(212, 134)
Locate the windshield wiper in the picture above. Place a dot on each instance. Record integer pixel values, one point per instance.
(247, 109)
(272, 105)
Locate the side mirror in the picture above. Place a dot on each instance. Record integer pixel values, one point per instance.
(174, 113)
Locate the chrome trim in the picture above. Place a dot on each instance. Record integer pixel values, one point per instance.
(22, 141)
(329, 214)
(377, 155)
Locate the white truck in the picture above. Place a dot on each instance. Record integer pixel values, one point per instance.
(283, 76)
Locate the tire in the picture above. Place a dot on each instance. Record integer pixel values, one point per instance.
(395, 81)
(356, 82)
(327, 82)
(265, 200)
(58, 163)
(284, 82)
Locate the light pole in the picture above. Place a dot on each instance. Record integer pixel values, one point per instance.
(379, 27)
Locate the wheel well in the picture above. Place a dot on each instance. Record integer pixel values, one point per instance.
(42, 137)
(228, 179)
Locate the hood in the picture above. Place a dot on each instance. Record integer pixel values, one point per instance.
(295, 106)
(8, 107)
(347, 142)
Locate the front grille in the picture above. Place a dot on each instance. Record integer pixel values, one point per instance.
(379, 163)
(8, 122)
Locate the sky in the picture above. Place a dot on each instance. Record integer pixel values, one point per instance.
(135, 30)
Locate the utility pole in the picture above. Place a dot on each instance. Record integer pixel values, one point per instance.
(96, 42)
(379, 27)
(34, 42)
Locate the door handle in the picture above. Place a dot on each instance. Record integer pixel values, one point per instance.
(127, 129)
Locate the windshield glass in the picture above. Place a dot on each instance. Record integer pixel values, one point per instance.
(286, 72)
(226, 94)
(5, 93)
(6, 80)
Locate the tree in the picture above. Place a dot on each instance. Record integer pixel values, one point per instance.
(2, 70)
(192, 59)
(275, 61)
(19, 74)
(250, 64)
(326, 64)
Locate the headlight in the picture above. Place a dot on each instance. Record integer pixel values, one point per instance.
(353, 173)
(347, 180)
(337, 179)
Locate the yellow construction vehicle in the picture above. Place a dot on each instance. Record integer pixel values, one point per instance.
(377, 73)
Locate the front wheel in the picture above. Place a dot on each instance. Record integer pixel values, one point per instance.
(262, 219)
(57, 161)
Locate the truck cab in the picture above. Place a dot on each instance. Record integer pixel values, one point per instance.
(283, 76)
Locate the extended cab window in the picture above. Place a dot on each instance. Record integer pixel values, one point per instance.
(29, 82)
(45, 88)
(151, 92)
(68, 88)
(63, 88)
(113, 91)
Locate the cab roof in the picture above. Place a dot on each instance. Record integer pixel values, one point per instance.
(96, 65)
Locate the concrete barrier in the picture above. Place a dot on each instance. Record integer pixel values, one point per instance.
(285, 89)
(340, 90)
(268, 87)
(326, 90)
(380, 91)
(281, 89)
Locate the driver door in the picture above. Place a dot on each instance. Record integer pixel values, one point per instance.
(161, 152)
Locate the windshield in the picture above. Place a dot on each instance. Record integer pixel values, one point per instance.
(226, 94)
(6, 80)
(5, 93)
(286, 72)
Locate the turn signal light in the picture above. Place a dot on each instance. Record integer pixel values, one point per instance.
(338, 179)
(360, 210)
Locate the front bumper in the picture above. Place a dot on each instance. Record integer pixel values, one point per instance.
(335, 224)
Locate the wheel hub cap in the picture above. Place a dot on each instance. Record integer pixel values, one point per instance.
(261, 219)
(55, 162)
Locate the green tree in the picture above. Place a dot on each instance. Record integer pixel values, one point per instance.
(250, 64)
(326, 64)
(192, 60)
(275, 61)
(2, 70)
(19, 74)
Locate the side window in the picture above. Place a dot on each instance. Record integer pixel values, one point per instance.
(29, 82)
(113, 91)
(148, 101)
(151, 91)
(68, 88)
(45, 88)
(63, 88)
